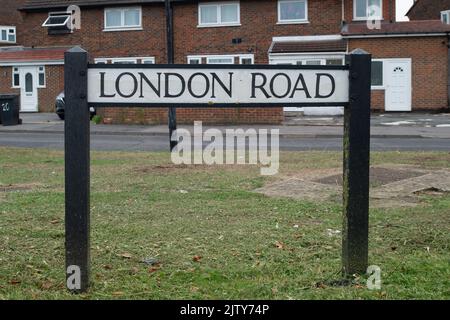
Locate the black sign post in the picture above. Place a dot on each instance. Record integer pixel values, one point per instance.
(77, 169)
(355, 235)
(87, 85)
(170, 60)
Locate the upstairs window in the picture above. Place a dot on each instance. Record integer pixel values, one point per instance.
(445, 16)
(219, 14)
(123, 19)
(58, 23)
(7, 34)
(367, 9)
(292, 11)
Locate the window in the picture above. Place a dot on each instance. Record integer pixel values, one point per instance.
(219, 14)
(7, 34)
(445, 16)
(57, 20)
(246, 60)
(377, 73)
(16, 78)
(148, 61)
(334, 62)
(123, 61)
(58, 23)
(314, 61)
(292, 11)
(194, 60)
(41, 77)
(222, 59)
(128, 60)
(123, 19)
(367, 9)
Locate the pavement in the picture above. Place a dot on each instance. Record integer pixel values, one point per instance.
(395, 126)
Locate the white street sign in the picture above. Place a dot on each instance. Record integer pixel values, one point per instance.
(260, 85)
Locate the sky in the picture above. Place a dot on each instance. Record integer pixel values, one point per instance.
(403, 7)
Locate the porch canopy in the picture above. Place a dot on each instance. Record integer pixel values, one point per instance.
(12, 56)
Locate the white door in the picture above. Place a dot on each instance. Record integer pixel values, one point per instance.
(28, 89)
(398, 87)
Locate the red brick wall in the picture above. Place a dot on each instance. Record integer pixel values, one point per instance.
(6, 81)
(429, 66)
(54, 76)
(258, 27)
(147, 42)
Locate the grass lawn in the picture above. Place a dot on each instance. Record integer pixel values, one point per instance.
(214, 237)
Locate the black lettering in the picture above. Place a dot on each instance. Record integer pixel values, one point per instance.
(333, 85)
(206, 85)
(102, 87)
(135, 83)
(156, 90)
(260, 87)
(229, 90)
(183, 85)
(272, 87)
(302, 88)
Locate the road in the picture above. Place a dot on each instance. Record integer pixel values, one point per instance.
(160, 143)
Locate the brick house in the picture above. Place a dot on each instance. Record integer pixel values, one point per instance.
(428, 9)
(308, 32)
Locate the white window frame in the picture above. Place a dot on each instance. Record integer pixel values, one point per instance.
(149, 60)
(7, 29)
(292, 21)
(57, 14)
(447, 14)
(122, 27)
(39, 72)
(134, 60)
(218, 6)
(366, 17)
(382, 87)
(207, 58)
(15, 71)
(250, 56)
(300, 59)
(199, 59)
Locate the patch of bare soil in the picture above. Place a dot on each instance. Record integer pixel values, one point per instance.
(19, 187)
(378, 176)
(391, 186)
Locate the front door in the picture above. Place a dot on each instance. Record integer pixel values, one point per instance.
(398, 87)
(28, 89)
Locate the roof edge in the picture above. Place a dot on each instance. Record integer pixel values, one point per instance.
(29, 7)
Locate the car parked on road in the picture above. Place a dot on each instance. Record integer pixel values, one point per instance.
(60, 106)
